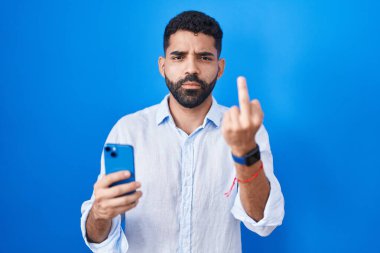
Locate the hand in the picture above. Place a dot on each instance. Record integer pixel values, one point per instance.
(111, 201)
(240, 126)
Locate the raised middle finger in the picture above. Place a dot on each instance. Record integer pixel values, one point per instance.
(244, 102)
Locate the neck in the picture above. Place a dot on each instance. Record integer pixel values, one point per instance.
(189, 119)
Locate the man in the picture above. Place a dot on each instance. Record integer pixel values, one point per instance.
(188, 151)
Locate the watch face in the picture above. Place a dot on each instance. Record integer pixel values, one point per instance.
(253, 158)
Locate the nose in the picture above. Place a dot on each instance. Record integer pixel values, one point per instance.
(191, 66)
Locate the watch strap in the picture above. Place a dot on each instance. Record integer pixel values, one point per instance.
(250, 158)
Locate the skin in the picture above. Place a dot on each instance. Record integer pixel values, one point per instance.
(110, 202)
(190, 53)
(239, 129)
(192, 61)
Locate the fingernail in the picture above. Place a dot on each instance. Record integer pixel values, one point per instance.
(127, 173)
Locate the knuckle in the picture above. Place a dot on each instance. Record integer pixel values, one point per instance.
(245, 126)
(127, 188)
(100, 205)
(134, 204)
(131, 186)
(234, 108)
(119, 191)
(125, 201)
(133, 198)
(234, 128)
(129, 200)
(98, 195)
(109, 179)
(117, 175)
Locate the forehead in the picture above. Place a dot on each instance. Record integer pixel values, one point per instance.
(188, 41)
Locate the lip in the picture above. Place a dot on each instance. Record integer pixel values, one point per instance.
(191, 85)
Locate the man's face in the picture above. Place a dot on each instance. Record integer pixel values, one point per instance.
(191, 67)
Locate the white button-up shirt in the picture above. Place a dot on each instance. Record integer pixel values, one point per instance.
(184, 177)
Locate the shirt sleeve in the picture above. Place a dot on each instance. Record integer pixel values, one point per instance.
(274, 209)
(116, 241)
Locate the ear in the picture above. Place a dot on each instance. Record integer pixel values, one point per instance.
(221, 65)
(161, 66)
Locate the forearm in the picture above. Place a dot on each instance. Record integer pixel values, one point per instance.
(97, 230)
(254, 194)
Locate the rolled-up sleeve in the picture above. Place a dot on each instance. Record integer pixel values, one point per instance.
(274, 210)
(116, 241)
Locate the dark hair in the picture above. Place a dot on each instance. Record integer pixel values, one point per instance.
(196, 22)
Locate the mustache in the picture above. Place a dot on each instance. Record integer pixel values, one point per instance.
(191, 78)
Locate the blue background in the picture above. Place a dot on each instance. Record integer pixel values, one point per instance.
(70, 69)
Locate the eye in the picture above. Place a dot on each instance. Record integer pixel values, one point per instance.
(206, 58)
(177, 58)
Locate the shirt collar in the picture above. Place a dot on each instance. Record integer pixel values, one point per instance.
(214, 115)
(163, 110)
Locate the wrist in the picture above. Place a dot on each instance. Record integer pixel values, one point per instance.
(249, 158)
(248, 174)
(97, 229)
(93, 215)
(243, 149)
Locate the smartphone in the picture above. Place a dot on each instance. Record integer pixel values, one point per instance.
(119, 157)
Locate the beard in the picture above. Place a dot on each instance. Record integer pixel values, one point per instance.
(190, 98)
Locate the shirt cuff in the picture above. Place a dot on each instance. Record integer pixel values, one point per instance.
(273, 212)
(116, 241)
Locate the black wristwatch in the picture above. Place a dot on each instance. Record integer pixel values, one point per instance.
(248, 159)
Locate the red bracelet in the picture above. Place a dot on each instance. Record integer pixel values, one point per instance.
(227, 194)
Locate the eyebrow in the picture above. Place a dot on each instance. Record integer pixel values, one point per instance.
(205, 53)
(178, 53)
